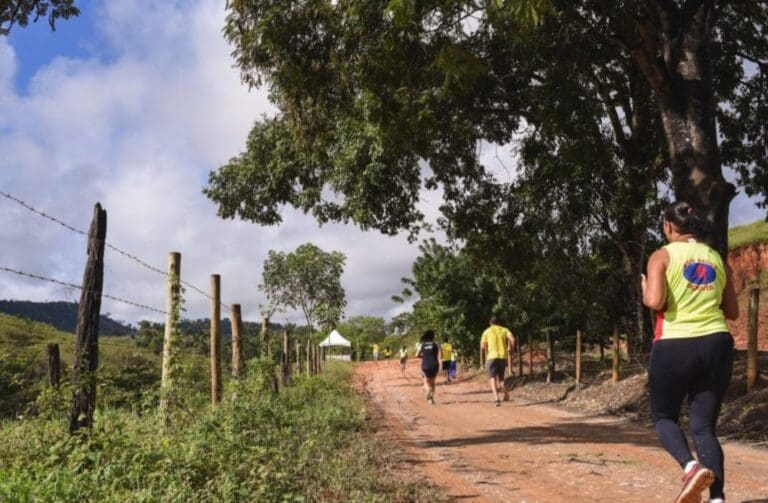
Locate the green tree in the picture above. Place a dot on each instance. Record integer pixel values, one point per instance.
(307, 279)
(362, 331)
(368, 90)
(455, 297)
(20, 12)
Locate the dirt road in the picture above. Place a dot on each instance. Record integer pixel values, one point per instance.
(523, 452)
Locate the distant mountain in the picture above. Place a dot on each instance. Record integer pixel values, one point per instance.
(62, 315)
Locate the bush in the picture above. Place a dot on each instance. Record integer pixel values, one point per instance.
(307, 443)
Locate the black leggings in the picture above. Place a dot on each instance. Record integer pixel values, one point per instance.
(699, 367)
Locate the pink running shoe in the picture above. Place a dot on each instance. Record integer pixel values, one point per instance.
(694, 482)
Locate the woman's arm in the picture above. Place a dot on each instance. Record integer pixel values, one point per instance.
(654, 285)
(730, 303)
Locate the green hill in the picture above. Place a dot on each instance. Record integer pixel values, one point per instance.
(125, 369)
(744, 235)
(61, 315)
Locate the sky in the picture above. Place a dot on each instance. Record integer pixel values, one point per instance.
(133, 104)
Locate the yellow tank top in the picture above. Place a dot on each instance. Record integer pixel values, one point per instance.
(695, 280)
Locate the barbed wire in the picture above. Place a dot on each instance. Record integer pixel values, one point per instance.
(112, 247)
(79, 287)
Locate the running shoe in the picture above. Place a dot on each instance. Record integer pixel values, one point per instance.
(695, 482)
(497, 403)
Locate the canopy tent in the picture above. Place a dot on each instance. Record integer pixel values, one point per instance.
(335, 339)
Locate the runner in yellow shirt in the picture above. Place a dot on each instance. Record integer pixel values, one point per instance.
(447, 351)
(375, 353)
(496, 342)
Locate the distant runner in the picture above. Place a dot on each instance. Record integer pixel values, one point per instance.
(387, 355)
(403, 358)
(454, 367)
(495, 344)
(447, 350)
(429, 352)
(692, 355)
(376, 352)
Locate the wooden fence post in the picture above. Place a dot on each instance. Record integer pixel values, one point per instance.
(482, 356)
(286, 359)
(519, 350)
(530, 354)
(615, 355)
(237, 340)
(298, 357)
(309, 356)
(87, 338)
(752, 355)
(264, 342)
(173, 291)
(578, 360)
(550, 356)
(54, 365)
(215, 340)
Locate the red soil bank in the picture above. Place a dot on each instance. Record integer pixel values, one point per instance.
(749, 265)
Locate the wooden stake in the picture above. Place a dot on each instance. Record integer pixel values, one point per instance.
(753, 368)
(309, 356)
(615, 354)
(237, 341)
(215, 340)
(550, 355)
(530, 354)
(519, 350)
(264, 343)
(87, 333)
(298, 358)
(173, 290)
(286, 359)
(54, 365)
(578, 360)
(482, 356)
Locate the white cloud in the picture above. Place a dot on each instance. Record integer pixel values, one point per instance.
(139, 131)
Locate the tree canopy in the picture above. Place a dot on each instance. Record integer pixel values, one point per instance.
(369, 91)
(20, 12)
(307, 279)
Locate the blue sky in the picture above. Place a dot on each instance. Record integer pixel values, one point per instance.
(132, 104)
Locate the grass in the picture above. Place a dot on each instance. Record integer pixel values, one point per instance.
(310, 442)
(743, 235)
(125, 369)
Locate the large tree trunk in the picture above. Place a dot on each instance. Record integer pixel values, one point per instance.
(682, 82)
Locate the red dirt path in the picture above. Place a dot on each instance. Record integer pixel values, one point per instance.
(523, 452)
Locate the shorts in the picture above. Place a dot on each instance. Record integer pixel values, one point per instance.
(402, 361)
(495, 367)
(447, 365)
(430, 372)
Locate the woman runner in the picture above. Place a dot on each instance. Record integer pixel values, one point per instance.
(689, 286)
(430, 355)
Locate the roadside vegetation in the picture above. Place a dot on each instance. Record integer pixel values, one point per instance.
(311, 441)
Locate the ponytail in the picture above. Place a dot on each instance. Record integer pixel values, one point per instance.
(686, 219)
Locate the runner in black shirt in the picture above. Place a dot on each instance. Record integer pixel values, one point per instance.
(430, 355)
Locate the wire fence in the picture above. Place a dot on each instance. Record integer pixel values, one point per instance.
(130, 256)
(79, 287)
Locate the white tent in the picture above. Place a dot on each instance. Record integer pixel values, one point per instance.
(336, 339)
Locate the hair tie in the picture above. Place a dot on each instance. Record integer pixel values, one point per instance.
(690, 209)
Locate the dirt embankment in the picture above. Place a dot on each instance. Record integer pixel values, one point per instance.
(749, 266)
